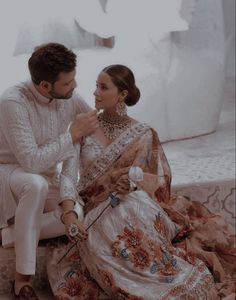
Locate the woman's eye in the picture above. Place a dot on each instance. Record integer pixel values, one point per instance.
(101, 87)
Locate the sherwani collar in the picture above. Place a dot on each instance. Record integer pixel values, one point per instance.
(38, 96)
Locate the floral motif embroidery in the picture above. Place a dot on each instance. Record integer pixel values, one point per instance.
(159, 225)
(123, 295)
(142, 252)
(115, 249)
(73, 287)
(197, 287)
(124, 253)
(107, 278)
(140, 258)
(75, 257)
(77, 284)
(133, 238)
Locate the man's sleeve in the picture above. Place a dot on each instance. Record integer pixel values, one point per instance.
(16, 126)
(69, 176)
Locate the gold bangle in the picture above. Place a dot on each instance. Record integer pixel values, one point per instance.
(66, 213)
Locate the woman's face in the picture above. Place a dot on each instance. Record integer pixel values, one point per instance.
(106, 93)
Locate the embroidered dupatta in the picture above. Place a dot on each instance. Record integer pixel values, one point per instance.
(140, 146)
(202, 234)
(137, 146)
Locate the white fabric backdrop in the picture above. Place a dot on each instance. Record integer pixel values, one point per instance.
(161, 69)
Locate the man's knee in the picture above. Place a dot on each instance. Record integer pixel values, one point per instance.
(38, 185)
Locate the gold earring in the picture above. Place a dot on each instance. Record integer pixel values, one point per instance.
(121, 109)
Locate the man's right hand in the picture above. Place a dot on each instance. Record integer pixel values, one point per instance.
(84, 124)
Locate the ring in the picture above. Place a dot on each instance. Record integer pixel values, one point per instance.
(73, 230)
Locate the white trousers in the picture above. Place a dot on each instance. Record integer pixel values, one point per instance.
(37, 217)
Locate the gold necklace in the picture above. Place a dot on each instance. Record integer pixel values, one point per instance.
(113, 125)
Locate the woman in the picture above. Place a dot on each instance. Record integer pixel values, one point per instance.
(145, 243)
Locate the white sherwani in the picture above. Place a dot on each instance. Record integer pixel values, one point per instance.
(33, 135)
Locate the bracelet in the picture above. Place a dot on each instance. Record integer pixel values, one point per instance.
(66, 213)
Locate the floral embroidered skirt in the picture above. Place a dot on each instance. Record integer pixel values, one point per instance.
(129, 255)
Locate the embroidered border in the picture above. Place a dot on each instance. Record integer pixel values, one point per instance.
(192, 285)
(111, 153)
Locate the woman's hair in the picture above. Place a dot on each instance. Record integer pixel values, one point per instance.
(123, 79)
(49, 60)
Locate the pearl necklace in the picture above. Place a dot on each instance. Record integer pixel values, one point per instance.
(113, 125)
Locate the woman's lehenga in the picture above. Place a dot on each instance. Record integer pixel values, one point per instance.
(149, 246)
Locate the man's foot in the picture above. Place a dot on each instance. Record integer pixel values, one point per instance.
(26, 292)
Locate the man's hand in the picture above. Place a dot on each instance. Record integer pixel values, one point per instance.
(84, 124)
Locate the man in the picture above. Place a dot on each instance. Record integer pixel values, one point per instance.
(40, 120)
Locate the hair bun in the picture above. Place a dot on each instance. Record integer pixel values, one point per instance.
(133, 96)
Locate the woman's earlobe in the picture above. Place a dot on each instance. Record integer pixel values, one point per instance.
(125, 94)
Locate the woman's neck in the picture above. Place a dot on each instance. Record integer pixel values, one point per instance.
(113, 116)
(110, 112)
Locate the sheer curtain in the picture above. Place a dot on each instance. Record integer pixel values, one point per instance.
(206, 32)
(26, 24)
(229, 20)
(29, 23)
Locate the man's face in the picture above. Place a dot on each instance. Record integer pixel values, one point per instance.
(63, 88)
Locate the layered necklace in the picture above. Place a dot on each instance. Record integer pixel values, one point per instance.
(113, 125)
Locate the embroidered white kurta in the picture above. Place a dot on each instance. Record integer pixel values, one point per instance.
(34, 136)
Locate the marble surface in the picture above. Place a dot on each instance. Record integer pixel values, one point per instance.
(203, 168)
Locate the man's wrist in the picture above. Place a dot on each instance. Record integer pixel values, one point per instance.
(67, 214)
(76, 134)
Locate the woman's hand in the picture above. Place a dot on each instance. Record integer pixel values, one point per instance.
(123, 185)
(75, 229)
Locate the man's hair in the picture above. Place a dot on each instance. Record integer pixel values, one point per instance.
(49, 60)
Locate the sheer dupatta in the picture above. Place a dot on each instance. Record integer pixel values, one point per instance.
(139, 147)
(201, 233)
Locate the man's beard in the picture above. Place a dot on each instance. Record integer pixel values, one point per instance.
(55, 95)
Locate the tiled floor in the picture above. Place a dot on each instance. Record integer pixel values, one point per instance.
(203, 168)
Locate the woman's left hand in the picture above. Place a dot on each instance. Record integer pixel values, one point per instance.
(123, 185)
(75, 229)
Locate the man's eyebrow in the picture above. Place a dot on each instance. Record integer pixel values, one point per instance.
(69, 81)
